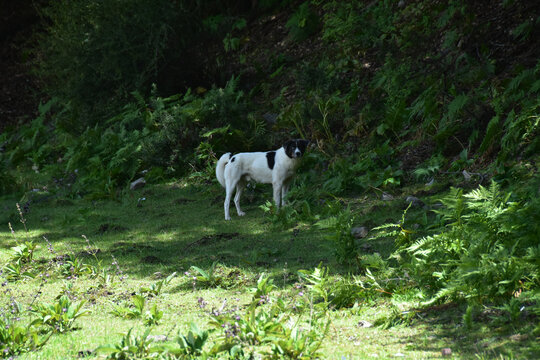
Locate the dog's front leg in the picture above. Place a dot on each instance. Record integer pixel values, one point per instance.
(277, 186)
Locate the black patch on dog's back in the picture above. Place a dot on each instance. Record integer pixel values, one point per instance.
(232, 160)
(271, 159)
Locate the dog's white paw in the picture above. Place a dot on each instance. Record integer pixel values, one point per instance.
(228, 218)
(241, 213)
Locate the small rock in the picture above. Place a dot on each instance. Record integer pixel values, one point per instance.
(446, 352)
(401, 4)
(359, 232)
(387, 197)
(430, 182)
(139, 201)
(270, 118)
(157, 338)
(366, 247)
(137, 184)
(414, 201)
(364, 324)
(466, 175)
(519, 337)
(437, 206)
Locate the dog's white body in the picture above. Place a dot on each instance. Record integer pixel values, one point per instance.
(272, 167)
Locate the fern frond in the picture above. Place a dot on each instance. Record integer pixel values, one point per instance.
(493, 131)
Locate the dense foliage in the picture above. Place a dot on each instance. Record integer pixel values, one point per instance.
(391, 93)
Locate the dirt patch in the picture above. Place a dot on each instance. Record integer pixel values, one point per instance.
(129, 247)
(411, 157)
(63, 202)
(182, 201)
(89, 252)
(217, 237)
(62, 258)
(212, 238)
(217, 200)
(151, 259)
(103, 228)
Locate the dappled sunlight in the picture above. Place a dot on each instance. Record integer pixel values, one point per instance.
(172, 230)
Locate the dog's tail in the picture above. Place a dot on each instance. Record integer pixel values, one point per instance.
(220, 168)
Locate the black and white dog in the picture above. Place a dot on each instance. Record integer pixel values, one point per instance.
(272, 167)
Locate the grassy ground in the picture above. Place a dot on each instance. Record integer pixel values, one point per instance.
(178, 226)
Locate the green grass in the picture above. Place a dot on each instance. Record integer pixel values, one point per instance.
(179, 226)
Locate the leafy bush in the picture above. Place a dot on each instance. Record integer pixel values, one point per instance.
(131, 312)
(132, 347)
(191, 344)
(16, 339)
(16, 271)
(180, 124)
(267, 322)
(60, 316)
(155, 288)
(340, 226)
(73, 268)
(24, 252)
(153, 316)
(303, 23)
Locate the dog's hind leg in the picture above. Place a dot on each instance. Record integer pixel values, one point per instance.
(228, 194)
(239, 189)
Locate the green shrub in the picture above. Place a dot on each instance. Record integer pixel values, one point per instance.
(191, 344)
(340, 226)
(60, 316)
(303, 23)
(16, 339)
(132, 347)
(131, 312)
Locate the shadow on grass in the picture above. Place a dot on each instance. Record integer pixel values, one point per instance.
(487, 339)
(174, 228)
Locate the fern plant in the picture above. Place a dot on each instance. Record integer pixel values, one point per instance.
(480, 251)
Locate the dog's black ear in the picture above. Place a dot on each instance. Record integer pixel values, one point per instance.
(288, 143)
(302, 144)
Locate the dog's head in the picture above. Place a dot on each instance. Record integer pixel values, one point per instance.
(295, 148)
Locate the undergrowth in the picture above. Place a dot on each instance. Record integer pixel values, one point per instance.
(406, 96)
